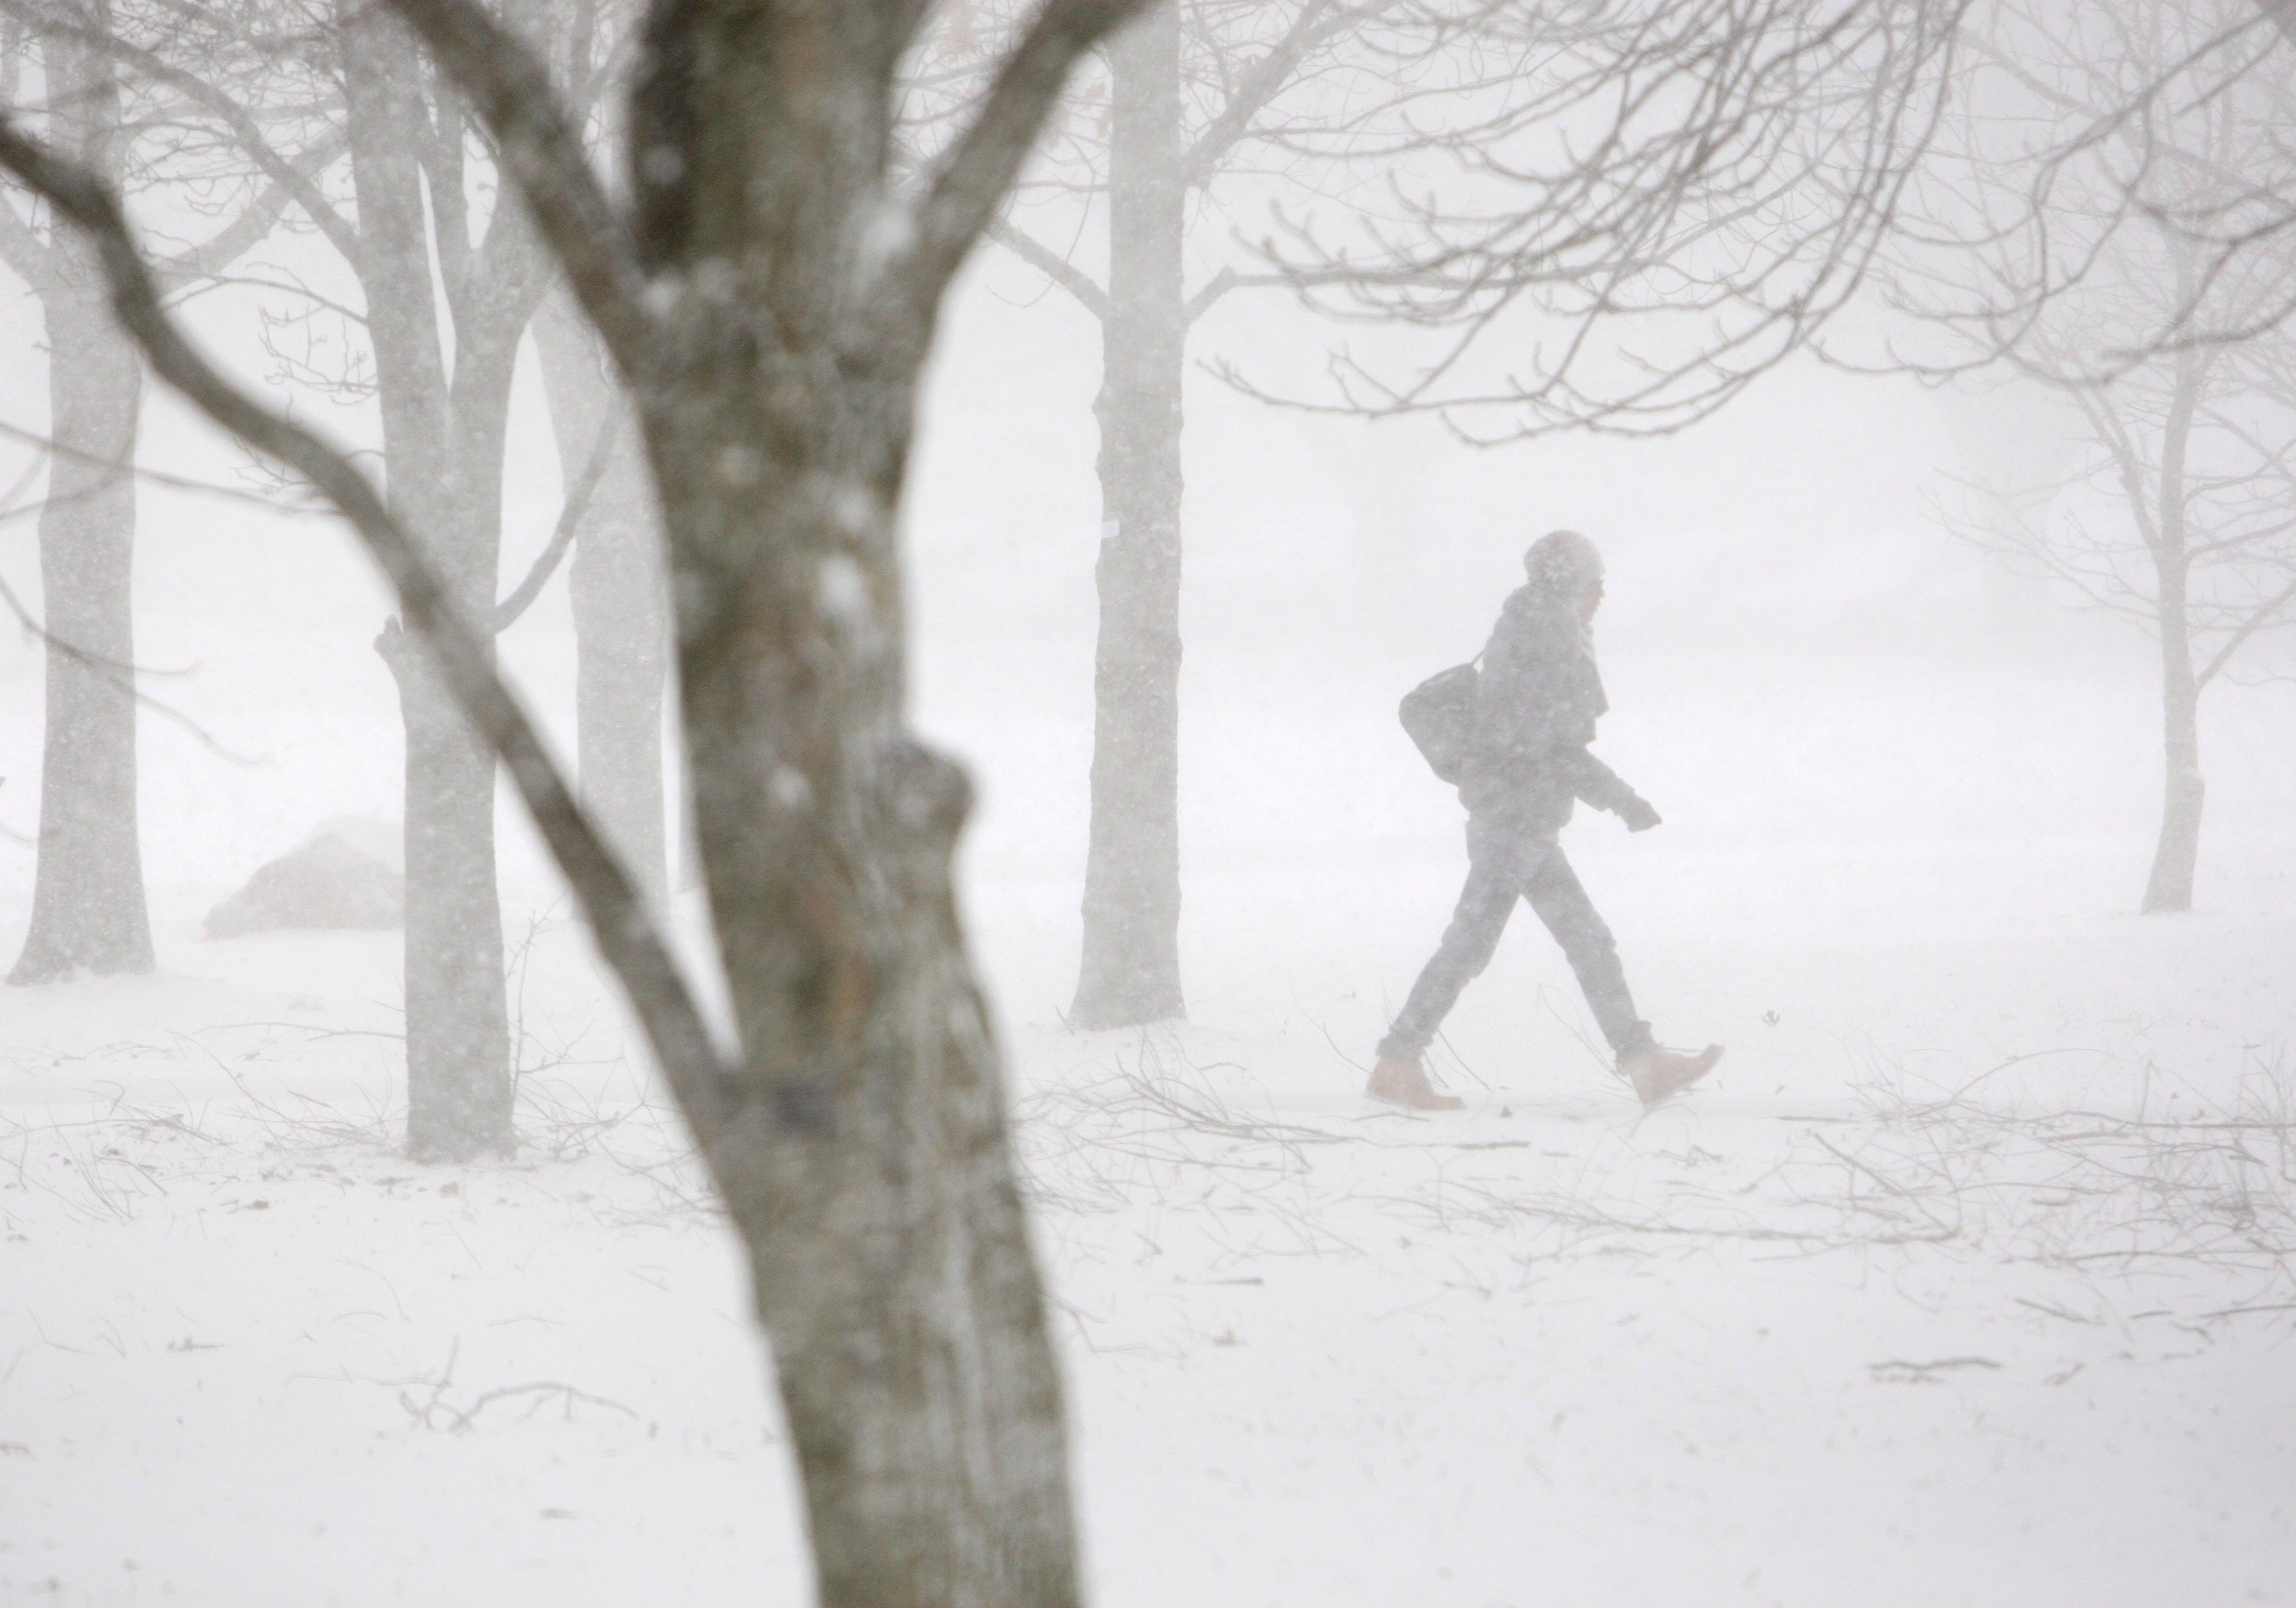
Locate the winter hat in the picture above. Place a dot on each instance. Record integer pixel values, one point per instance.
(1562, 562)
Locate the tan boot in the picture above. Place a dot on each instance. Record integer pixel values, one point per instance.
(1401, 1082)
(1658, 1074)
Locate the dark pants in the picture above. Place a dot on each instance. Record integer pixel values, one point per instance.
(1503, 865)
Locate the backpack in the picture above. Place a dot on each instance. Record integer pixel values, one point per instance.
(1438, 714)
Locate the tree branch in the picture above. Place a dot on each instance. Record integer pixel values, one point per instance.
(1052, 264)
(1213, 288)
(570, 520)
(1314, 24)
(980, 168)
(300, 187)
(625, 932)
(515, 98)
(2254, 622)
(212, 255)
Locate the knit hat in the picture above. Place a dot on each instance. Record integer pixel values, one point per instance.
(1562, 562)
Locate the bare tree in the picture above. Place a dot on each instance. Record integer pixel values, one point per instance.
(1720, 170)
(2110, 219)
(1194, 92)
(88, 907)
(450, 272)
(772, 303)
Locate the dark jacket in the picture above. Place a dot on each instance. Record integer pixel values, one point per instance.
(1536, 705)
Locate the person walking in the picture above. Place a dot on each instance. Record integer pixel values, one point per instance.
(1526, 765)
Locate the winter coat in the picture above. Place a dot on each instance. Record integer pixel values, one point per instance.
(1536, 705)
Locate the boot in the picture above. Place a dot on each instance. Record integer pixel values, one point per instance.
(1401, 1083)
(1658, 1073)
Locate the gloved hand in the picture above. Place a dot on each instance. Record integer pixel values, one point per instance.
(1638, 815)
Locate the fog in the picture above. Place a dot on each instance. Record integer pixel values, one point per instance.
(1966, 1275)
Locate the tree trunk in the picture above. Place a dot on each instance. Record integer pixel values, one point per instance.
(443, 448)
(459, 1091)
(88, 912)
(868, 1172)
(620, 599)
(2170, 886)
(1130, 972)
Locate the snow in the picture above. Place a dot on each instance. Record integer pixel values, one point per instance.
(1966, 1278)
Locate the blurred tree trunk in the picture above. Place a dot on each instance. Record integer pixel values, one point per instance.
(443, 446)
(89, 911)
(1130, 972)
(620, 596)
(869, 1172)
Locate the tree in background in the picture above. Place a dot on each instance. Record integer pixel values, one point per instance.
(2110, 218)
(88, 907)
(772, 300)
(450, 273)
(619, 588)
(1710, 177)
(619, 594)
(1178, 118)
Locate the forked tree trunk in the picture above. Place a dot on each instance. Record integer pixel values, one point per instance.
(868, 1172)
(2168, 887)
(621, 603)
(1130, 970)
(89, 911)
(443, 449)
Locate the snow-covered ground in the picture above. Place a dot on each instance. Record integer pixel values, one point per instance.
(1967, 1279)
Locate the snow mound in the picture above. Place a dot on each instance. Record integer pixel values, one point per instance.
(343, 876)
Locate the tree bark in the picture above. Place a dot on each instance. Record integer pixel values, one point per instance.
(88, 908)
(620, 599)
(869, 1172)
(443, 446)
(1130, 971)
(2169, 886)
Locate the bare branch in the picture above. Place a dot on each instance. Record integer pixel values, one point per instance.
(543, 153)
(255, 221)
(974, 178)
(1219, 285)
(1052, 264)
(1316, 24)
(291, 177)
(570, 520)
(2264, 614)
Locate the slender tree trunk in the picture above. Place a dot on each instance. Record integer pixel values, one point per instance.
(459, 1087)
(1130, 972)
(443, 446)
(2170, 886)
(620, 599)
(88, 912)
